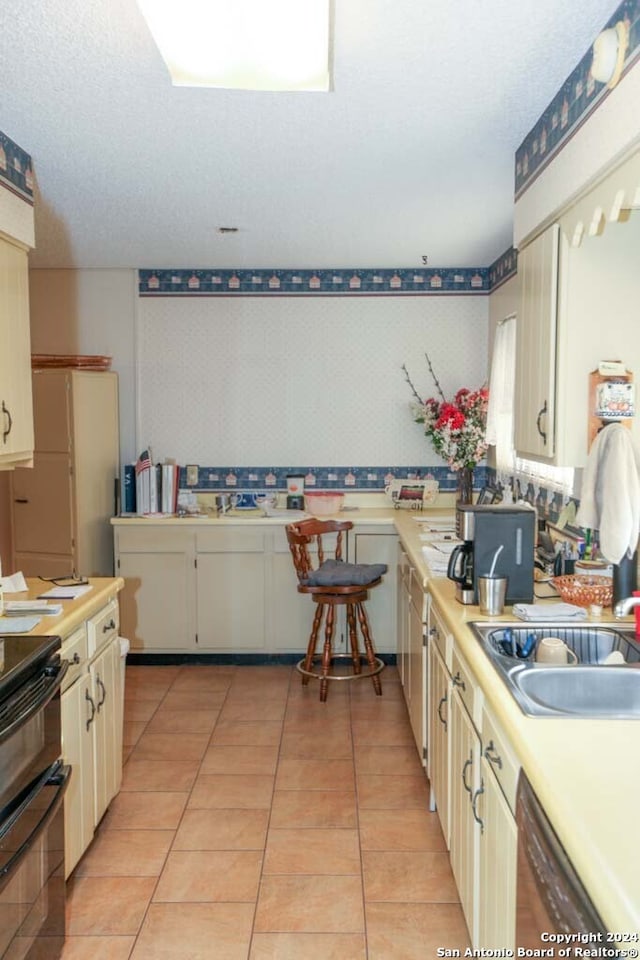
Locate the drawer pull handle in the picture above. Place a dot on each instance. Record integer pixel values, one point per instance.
(5, 433)
(20, 500)
(459, 682)
(541, 414)
(466, 764)
(443, 720)
(109, 626)
(492, 754)
(90, 699)
(76, 657)
(473, 806)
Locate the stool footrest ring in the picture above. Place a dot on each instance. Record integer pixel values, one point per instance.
(379, 667)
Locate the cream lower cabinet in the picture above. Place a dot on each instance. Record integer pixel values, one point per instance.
(366, 544)
(403, 603)
(473, 772)
(498, 838)
(157, 604)
(91, 713)
(232, 588)
(78, 750)
(411, 618)
(464, 827)
(439, 721)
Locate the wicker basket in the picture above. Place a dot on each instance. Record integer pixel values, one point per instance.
(585, 590)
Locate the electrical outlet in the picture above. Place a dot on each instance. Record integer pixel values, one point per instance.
(192, 474)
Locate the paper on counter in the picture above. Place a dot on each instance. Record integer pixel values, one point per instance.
(66, 593)
(18, 624)
(16, 583)
(32, 607)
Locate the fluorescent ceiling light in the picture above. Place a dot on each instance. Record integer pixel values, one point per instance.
(243, 44)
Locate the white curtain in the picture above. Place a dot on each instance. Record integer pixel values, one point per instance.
(501, 395)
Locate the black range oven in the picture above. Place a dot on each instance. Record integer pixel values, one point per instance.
(32, 785)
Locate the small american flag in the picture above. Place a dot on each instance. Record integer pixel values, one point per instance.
(143, 462)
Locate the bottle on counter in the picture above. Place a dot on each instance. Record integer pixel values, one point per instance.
(625, 575)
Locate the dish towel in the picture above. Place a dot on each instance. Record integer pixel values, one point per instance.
(549, 611)
(610, 496)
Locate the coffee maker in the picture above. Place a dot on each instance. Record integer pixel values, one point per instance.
(484, 529)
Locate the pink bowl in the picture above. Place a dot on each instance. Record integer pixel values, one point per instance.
(323, 503)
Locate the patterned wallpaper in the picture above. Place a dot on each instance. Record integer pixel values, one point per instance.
(16, 171)
(579, 96)
(254, 388)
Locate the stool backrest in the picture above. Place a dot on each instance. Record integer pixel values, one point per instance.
(307, 547)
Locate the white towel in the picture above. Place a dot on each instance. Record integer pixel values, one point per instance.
(610, 496)
(548, 611)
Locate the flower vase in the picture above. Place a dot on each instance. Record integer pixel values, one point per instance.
(464, 492)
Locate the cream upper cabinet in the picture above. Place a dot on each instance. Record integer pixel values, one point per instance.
(16, 407)
(535, 400)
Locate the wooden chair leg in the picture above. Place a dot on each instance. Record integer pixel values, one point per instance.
(326, 652)
(313, 643)
(353, 637)
(368, 646)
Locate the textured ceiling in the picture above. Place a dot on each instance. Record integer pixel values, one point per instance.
(411, 155)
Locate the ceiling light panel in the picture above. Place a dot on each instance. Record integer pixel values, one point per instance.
(243, 44)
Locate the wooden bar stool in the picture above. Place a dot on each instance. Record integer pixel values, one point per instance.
(333, 583)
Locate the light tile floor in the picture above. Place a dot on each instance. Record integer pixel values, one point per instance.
(256, 823)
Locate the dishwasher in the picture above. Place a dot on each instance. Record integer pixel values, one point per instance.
(550, 897)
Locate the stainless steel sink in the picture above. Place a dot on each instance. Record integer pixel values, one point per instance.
(587, 689)
(582, 691)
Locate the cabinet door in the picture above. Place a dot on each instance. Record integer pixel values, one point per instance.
(42, 507)
(16, 406)
(402, 608)
(463, 828)
(498, 856)
(535, 401)
(290, 613)
(417, 700)
(438, 752)
(78, 714)
(156, 605)
(107, 758)
(376, 547)
(230, 601)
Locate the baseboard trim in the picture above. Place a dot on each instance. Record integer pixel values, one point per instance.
(228, 659)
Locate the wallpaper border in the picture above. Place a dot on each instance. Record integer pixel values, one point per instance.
(16, 169)
(210, 282)
(579, 96)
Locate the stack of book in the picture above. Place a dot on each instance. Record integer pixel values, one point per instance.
(156, 486)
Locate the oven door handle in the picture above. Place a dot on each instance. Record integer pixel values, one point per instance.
(33, 697)
(57, 775)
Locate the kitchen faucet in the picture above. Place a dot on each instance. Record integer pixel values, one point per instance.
(623, 607)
